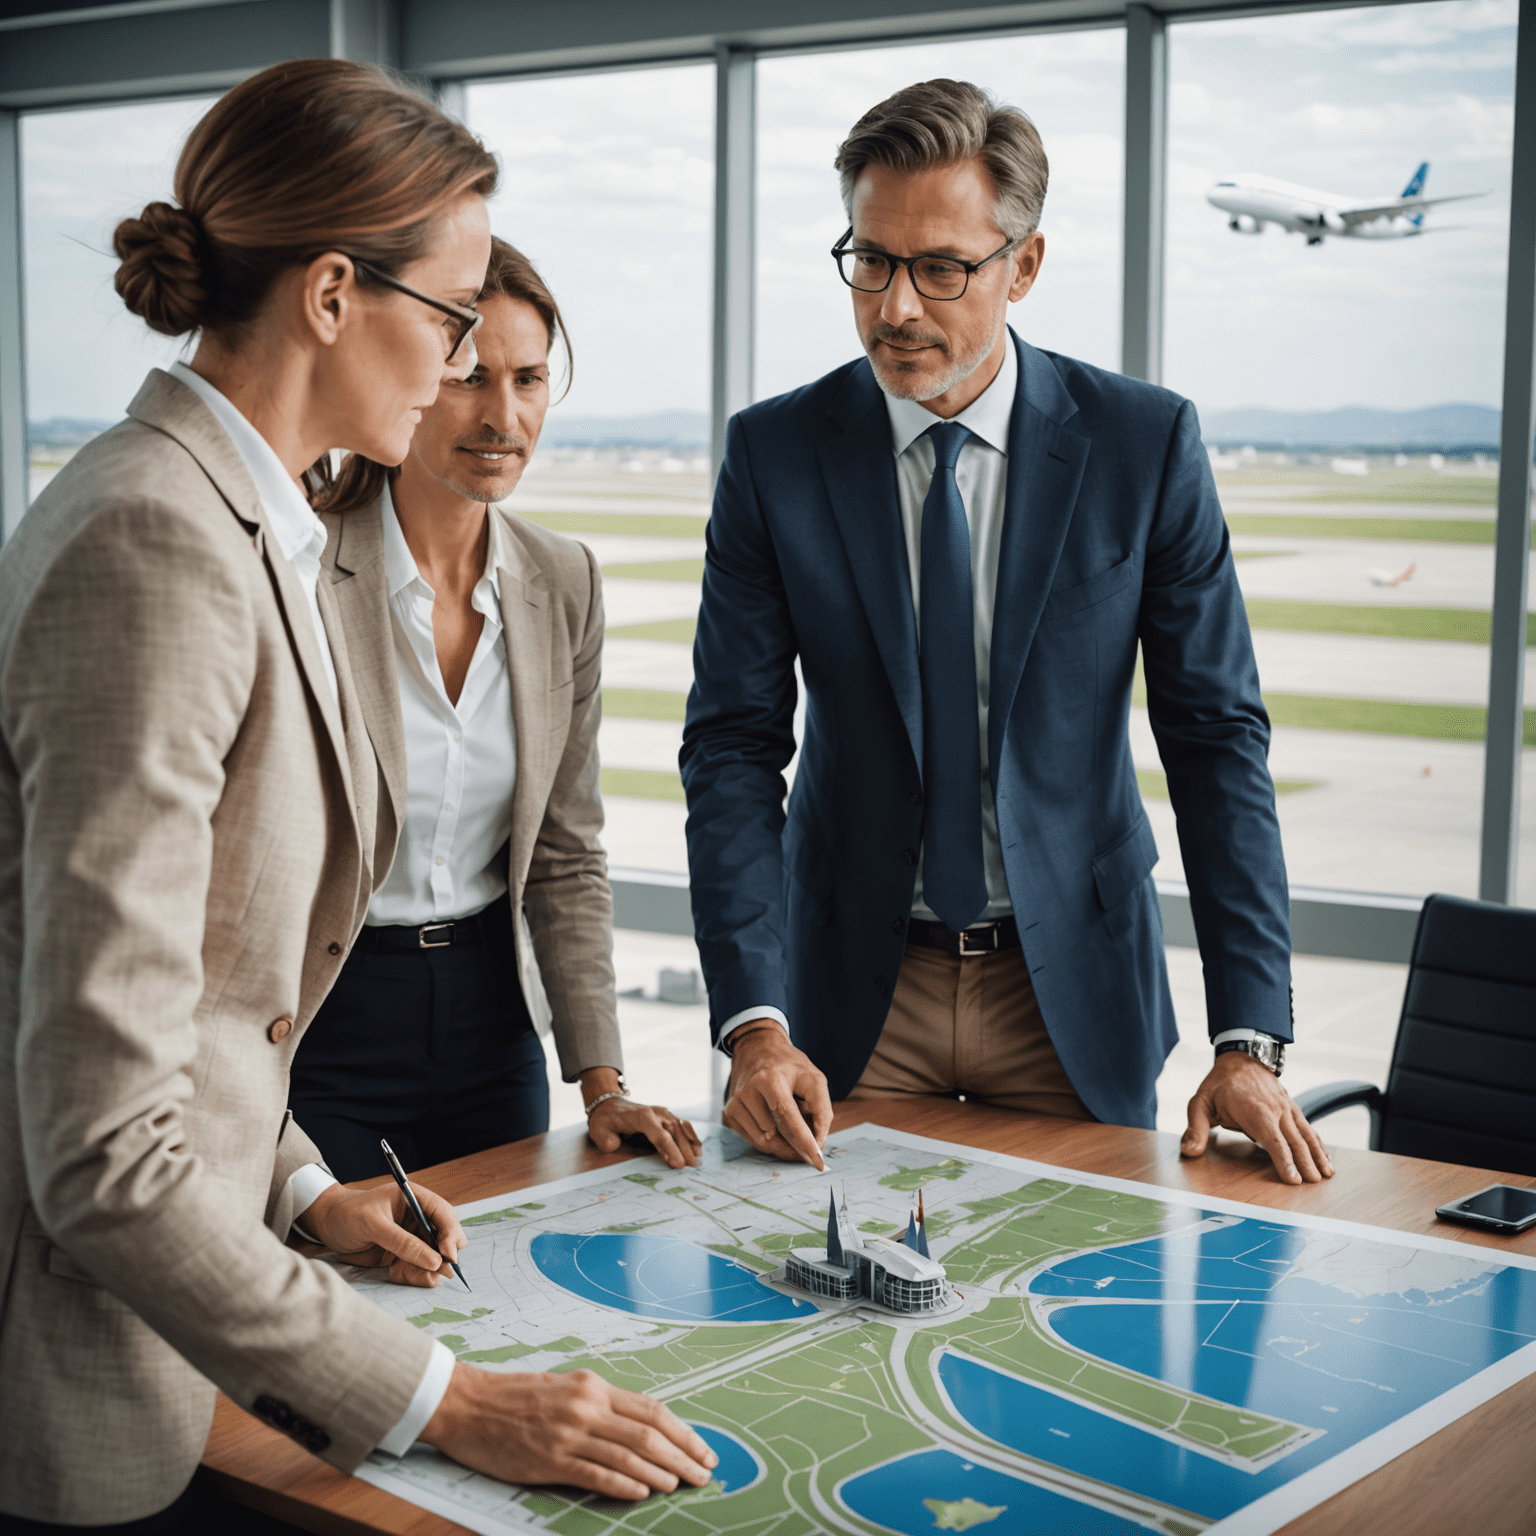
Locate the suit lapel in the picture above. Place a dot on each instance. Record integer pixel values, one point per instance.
(860, 472)
(306, 645)
(1045, 469)
(525, 620)
(170, 407)
(354, 573)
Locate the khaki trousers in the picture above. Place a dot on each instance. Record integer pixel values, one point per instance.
(969, 1027)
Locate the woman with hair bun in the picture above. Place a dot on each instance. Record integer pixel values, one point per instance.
(191, 827)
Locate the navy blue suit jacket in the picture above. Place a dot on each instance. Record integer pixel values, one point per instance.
(1112, 535)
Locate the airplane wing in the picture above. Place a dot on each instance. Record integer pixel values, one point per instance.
(1353, 216)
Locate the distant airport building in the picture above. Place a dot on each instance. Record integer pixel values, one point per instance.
(901, 1276)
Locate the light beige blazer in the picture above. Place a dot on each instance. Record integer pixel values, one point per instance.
(557, 872)
(186, 846)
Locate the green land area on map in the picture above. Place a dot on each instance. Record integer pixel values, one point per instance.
(823, 1403)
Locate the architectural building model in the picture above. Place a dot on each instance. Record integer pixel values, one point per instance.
(900, 1276)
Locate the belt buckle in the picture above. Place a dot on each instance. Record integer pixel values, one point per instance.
(424, 942)
(990, 929)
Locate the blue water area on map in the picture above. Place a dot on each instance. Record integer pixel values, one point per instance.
(1212, 1311)
(737, 1468)
(892, 1495)
(1056, 1429)
(661, 1277)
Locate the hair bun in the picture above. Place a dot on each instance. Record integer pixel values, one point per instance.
(160, 275)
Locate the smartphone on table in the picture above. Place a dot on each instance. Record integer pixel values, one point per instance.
(1499, 1208)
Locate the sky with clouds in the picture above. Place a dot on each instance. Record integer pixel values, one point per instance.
(608, 185)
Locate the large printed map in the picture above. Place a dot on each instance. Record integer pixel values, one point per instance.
(1126, 1359)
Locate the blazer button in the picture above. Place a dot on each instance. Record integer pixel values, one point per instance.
(279, 1030)
(882, 987)
(917, 797)
(897, 926)
(909, 856)
(334, 949)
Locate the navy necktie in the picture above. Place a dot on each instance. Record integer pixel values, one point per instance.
(954, 877)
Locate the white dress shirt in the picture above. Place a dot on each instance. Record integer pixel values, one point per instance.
(300, 537)
(461, 759)
(981, 473)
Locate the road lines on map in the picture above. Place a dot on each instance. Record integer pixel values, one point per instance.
(824, 1401)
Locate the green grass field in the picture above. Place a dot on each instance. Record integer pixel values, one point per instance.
(663, 629)
(1373, 619)
(642, 784)
(1412, 530)
(658, 570)
(644, 704)
(665, 525)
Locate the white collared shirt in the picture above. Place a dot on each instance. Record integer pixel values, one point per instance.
(299, 533)
(300, 537)
(461, 759)
(981, 473)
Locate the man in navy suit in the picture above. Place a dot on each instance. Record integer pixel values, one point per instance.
(963, 540)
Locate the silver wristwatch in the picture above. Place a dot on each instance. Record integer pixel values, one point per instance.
(1265, 1049)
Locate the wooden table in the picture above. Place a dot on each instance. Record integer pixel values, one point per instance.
(1476, 1475)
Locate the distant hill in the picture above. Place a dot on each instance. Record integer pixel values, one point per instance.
(1443, 427)
(65, 431)
(656, 429)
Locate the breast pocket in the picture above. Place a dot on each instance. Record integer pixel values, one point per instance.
(1067, 601)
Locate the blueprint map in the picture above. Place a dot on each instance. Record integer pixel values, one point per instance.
(1126, 1358)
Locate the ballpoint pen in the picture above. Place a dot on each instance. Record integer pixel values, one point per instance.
(410, 1199)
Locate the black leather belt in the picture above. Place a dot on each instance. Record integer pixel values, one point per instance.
(477, 928)
(978, 939)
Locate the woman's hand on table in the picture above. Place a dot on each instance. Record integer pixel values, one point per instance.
(571, 1428)
(676, 1142)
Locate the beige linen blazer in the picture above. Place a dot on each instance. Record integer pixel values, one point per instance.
(186, 852)
(557, 872)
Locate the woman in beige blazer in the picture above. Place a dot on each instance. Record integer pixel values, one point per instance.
(188, 823)
(476, 639)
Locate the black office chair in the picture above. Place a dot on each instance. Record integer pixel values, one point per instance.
(1462, 1085)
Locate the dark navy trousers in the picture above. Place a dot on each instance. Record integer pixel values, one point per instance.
(432, 1049)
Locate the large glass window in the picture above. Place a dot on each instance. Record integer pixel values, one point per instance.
(82, 171)
(608, 185)
(1349, 390)
(1070, 83)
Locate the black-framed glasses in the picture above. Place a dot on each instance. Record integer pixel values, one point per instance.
(934, 277)
(468, 319)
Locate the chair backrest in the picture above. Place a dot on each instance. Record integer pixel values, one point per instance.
(1462, 1088)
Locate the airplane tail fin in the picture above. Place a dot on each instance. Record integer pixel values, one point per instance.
(1415, 188)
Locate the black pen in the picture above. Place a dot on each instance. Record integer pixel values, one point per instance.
(415, 1204)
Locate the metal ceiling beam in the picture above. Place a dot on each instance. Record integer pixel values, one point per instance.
(158, 53)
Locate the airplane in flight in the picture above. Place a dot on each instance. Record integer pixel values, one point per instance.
(1253, 201)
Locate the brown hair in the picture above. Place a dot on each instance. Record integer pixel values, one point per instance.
(510, 275)
(940, 122)
(306, 157)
